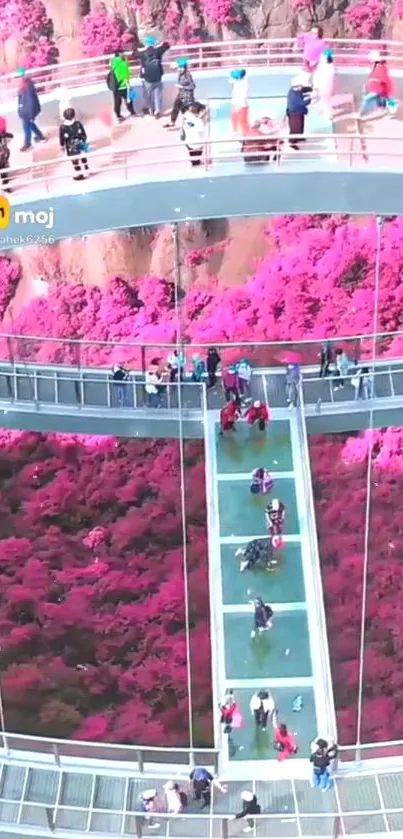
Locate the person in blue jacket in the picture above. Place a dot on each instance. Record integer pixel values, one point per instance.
(298, 101)
(28, 109)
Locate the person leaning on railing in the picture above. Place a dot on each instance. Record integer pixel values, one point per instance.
(151, 72)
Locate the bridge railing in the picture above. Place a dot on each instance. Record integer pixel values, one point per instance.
(117, 167)
(205, 56)
(17, 350)
(383, 384)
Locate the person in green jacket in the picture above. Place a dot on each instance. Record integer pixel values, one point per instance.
(120, 70)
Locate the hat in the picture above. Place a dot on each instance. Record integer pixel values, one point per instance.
(299, 81)
(246, 795)
(238, 74)
(275, 504)
(196, 356)
(182, 62)
(21, 71)
(169, 785)
(256, 404)
(375, 55)
(328, 53)
(150, 40)
(148, 794)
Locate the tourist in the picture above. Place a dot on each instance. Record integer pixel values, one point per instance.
(227, 709)
(261, 482)
(343, 367)
(325, 359)
(120, 84)
(151, 73)
(321, 758)
(239, 102)
(29, 109)
(176, 800)
(153, 387)
(120, 378)
(298, 101)
(244, 372)
(250, 807)
(193, 132)
(292, 384)
(258, 413)
(148, 807)
(263, 144)
(275, 516)
(199, 368)
(229, 415)
(185, 91)
(212, 362)
(313, 45)
(284, 742)
(323, 82)
(262, 707)
(363, 383)
(258, 554)
(378, 87)
(202, 780)
(176, 364)
(263, 616)
(73, 139)
(230, 384)
(5, 138)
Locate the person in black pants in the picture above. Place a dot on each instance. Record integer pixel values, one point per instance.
(5, 159)
(186, 92)
(250, 807)
(212, 362)
(73, 138)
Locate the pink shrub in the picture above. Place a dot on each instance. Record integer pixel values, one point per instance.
(10, 274)
(92, 600)
(102, 33)
(365, 18)
(217, 11)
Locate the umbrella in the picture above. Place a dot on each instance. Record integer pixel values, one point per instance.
(289, 357)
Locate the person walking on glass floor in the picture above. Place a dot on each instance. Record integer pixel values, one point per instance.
(29, 108)
(250, 808)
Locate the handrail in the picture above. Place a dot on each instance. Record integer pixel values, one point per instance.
(221, 53)
(126, 162)
(319, 605)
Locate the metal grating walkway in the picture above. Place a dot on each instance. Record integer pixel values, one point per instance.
(57, 801)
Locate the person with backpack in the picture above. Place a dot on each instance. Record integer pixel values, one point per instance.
(263, 616)
(322, 754)
(5, 138)
(29, 108)
(185, 92)
(73, 139)
(202, 780)
(119, 83)
(212, 361)
(262, 707)
(151, 73)
(250, 807)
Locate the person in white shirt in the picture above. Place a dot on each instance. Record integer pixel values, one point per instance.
(193, 132)
(239, 102)
(323, 82)
(176, 363)
(262, 707)
(152, 383)
(173, 797)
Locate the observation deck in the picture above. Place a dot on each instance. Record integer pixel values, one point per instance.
(141, 174)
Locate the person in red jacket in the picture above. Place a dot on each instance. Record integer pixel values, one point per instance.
(258, 412)
(378, 87)
(228, 417)
(284, 742)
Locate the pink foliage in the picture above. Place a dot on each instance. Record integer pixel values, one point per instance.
(28, 22)
(102, 33)
(365, 17)
(92, 599)
(10, 274)
(339, 464)
(217, 11)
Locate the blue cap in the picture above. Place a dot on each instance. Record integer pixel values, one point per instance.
(21, 71)
(328, 53)
(150, 40)
(238, 74)
(182, 62)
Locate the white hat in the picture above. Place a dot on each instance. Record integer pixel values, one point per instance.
(148, 794)
(246, 795)
(375, 55)
(256, 404)
(275, 504)
(300, 81)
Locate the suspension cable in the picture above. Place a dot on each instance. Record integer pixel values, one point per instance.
(379, 228)
(180, 350)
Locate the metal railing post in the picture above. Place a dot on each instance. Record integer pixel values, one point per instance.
(224, 828)
(140, 760)
(56, 754)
